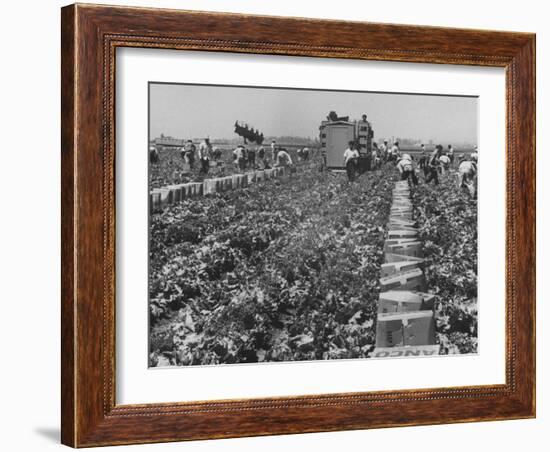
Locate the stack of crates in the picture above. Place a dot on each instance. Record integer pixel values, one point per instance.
(405, 325)
(364, 134)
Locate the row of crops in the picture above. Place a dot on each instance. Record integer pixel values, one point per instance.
(447, 219)
(287, 270)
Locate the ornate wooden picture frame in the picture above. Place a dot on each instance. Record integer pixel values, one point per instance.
(90, 37)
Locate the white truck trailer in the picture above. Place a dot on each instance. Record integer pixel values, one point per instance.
(335, 136)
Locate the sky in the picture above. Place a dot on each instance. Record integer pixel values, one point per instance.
(195, 111)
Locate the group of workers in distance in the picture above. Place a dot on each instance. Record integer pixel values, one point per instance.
(204, 153)
(257, 157)
(432, 164)
(244, 157)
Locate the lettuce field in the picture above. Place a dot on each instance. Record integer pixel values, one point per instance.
(289, 269)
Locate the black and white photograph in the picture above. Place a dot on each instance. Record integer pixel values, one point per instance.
(294, 224)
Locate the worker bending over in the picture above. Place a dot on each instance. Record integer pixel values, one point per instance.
(406, 169)
(283, 158)
(467, 173)
(444, 163)
(153, 154)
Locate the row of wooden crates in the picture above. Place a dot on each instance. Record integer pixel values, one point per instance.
(405, 321)
(160, 198)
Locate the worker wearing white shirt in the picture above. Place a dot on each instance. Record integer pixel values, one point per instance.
(273, 151)
(240, 157)
(351, 155)
(384, 151)
(406, 169)
(445, 162)
(283, 158)
(474, 155)
(451, 153)
(204, 153)
(395, 152)
(467, 174)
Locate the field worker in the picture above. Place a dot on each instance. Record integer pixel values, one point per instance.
(324, 157)
(375, 157)
(445, 163)
(251, 158)
(305, 153)
(283, 158)
(216, 153)
(390, 153)
(474, 155)
(467, 172)
(384, 151)
(189, 153)
(451, 154)
(273, 151)
(406, 169)
(351, 156)
(240, 157)
(395, 152)
(423, 159)
(261, 156)
(205, 153)
(236, 153)
(153, 154)
(433, 165)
